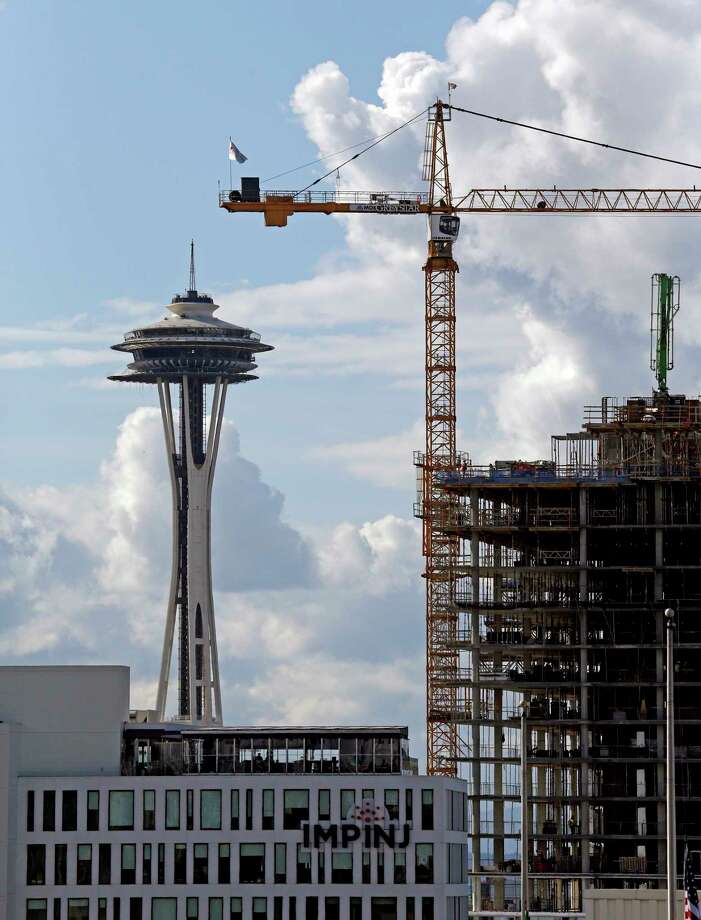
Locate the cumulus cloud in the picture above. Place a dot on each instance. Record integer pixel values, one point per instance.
(581, 68)
(84, 576)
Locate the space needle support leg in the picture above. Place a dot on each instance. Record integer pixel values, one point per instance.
(215, 425)
(169, 431)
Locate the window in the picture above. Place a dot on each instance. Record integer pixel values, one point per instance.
(409, 809)
(392, 803)
(200, 866)
(61, 864)
(69, 810)
(78, 909)
(57, 909)
(102, 909)
(342, 867)
(304, 865)
(49, 810)
(216, 909)
(268, 809)
(383, 909)
(104, 864)
(251, 863)
(332, 909)
(347, 802)
(30, 810)
(457, 864)
(164, 908)
(424, 863)
(148, 817)
(366, 867)
(293, 908)
(180, 864)
(146, 864)
(410, 909)
(210, 809)
(427, 809)
(161, 878)
(36, 864)
(399, 867)
(224, 864)
(84, 868)
(280, 863)
(324, 805)
(296, 808)
(368, 794)
(249, 809)
(93, 818)
(128, 875)
(260, 908)
(320, 867)
(234, 809)
(189, 808)
(380, 867)
(356, 909)
(312, 908)
(192, 909)
(135, 909)
(277, 908)
(116, 909)
(172, 809)
(121, 810)
(36, 909)
(426, 908)
(235, 909)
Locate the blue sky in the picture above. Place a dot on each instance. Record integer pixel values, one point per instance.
(116, 131)
(116, 119)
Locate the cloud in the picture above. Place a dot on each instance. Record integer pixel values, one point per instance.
(58, 357)
(542, 393)
(313, 629)
(578, 68)
(385, 462)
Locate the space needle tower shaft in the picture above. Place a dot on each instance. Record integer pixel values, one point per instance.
(189, 355)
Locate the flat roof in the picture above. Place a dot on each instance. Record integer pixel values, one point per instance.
(189, 729)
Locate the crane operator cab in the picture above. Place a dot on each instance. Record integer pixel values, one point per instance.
(443, 229)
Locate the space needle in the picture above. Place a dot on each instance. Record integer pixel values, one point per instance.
(191, 354)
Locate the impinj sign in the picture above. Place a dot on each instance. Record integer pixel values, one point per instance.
(367, 822)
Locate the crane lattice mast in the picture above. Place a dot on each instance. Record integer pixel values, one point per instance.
(440, 549)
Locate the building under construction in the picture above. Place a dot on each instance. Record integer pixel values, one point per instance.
(564, 569)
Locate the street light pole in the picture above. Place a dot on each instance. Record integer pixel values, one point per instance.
(524, 810)
(671, 801)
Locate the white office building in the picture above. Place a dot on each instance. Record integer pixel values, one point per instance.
(104, 816)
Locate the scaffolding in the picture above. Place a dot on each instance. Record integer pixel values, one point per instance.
(558, 588)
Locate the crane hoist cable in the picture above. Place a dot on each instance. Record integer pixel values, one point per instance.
(572, 137)
(373, 141)
(382, 137)
(328, 156)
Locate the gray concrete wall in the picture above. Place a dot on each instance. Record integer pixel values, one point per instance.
(637, 904)
(68, 719)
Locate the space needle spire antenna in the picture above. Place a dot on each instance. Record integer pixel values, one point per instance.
(192, 289)
(184, 354)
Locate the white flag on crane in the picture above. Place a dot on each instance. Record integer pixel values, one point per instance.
(235, 153)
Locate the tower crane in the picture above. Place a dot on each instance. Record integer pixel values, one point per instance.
(442, 208)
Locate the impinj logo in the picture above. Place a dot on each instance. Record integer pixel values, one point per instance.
(369, 822)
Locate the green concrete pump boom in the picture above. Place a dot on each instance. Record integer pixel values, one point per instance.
(664, 307)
